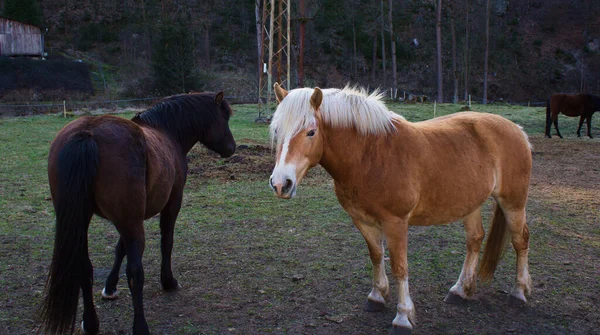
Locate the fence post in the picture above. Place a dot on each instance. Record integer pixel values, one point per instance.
(434, 108)
(64, 108)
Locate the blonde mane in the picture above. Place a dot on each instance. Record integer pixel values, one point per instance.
(349, 107)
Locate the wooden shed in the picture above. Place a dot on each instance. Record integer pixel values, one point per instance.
(20, 39)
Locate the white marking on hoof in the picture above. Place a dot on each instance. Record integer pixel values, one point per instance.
(375, 296)
(113, 296)
(83, 328)
(401, 320)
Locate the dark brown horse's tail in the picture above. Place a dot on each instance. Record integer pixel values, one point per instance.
(74, 206)
(494, 246)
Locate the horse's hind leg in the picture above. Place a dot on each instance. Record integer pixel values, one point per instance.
(519, 231)
(110, 287)
(90, 323)
(134, 242)
(556, 126)
(373, 235)
(589, 125)
(168, 216)
(581, 118)
(467, 281)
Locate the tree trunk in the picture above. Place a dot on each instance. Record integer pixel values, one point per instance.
(438, 33)
(466, 97)
(393, 47)
(301, 51)
(454, 70)
(147, 32)
(259, 38)
(487, 52)
(383, 46)
(354, 49)
(207, 45)
(374, 61)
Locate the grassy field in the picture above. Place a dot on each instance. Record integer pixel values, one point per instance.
(253, 264)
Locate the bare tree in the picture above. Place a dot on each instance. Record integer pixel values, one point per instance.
(438, 33)
(393, 47)
(374, 61)
(466, 52)
(303, 20)
(454, 69)
(383, 45)
(487, 52)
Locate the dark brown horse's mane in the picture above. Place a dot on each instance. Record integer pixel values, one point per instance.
(183, 114)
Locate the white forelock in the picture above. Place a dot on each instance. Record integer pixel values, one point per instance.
(345, 108)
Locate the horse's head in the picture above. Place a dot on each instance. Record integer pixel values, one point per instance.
(299, 141)
(218, 136)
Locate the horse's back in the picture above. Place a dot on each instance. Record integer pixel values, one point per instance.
(120, 180)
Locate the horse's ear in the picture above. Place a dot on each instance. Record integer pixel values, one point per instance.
(316, 98)
(280, 93)
(219, 98)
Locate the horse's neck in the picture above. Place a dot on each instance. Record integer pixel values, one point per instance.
(345, 151)
(183, 144)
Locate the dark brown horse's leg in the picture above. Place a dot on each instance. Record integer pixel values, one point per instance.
(90, 324)
(589, 125)
(168, 216)
(581, 118)
(556, 127)
(110, 287)
(135, 278)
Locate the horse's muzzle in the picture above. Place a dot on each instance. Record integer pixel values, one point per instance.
(285, 189)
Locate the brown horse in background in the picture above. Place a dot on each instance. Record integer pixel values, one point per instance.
(124, 171)
(390, 173)
(582, 105)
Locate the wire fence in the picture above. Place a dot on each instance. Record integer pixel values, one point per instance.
(115, 106)
(91, 106)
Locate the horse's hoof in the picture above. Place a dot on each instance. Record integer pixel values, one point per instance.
(171, 286)
(515, 301)
(89, 331)
(374, 306)
(454, 299)
(111, 296)
(548, 136)
(401, 331)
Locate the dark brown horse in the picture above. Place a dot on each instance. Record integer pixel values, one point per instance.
(124, 171)
(582, 105)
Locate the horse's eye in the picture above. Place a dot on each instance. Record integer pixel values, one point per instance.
(311, 133)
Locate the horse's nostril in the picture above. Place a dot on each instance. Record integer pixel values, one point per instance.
(288, 185)
(271, 183)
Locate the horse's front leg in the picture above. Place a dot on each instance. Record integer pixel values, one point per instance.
(467, 281)
(379, 293)
(396, 233)
(589, 125)
(168, 216)
(581, 118)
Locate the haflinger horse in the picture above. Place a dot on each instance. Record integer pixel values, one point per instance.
(390, 173)
(124, 171)
(582, 105)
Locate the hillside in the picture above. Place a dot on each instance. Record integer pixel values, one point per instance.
(536, 48)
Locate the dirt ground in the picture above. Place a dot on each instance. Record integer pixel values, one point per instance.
(239, 283)
(566, 177)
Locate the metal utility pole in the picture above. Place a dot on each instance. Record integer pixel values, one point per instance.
(275, 24)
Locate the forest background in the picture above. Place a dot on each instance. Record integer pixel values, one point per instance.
(147, 48)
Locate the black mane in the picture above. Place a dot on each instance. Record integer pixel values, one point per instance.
(183, 115)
